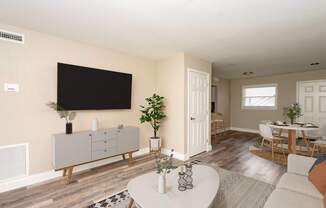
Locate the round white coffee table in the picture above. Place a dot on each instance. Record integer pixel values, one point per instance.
(143, 190)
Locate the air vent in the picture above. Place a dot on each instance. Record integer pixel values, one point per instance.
(13, 161)
(11, 36)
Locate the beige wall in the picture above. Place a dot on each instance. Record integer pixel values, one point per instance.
(24, 116)
(223, 100)
(286, 95)
(172, 84)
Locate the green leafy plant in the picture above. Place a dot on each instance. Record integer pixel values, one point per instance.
(165, 165)
(153, 112)
(67, 115)
(293, 112)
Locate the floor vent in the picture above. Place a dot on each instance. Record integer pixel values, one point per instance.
(11, 36)
(13, 161)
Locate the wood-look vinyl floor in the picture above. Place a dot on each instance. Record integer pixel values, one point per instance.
(230, 151)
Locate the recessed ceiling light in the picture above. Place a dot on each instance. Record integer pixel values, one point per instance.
(247, 73)
(314, 64)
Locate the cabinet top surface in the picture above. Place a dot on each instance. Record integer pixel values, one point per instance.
(98, 130)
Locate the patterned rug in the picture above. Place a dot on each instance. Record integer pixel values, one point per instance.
(235, 191)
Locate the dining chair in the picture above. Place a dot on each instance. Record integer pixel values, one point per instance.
(276, 132)
(317, 146)
(217, 123)
(273, 141)
(315, 141)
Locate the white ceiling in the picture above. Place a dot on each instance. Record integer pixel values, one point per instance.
(263, 36)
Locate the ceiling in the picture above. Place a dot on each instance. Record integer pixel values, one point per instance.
(262, 36)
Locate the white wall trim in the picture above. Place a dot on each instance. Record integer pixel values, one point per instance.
(244, 130)
(176, 155)
(209, 147)
(48, 175)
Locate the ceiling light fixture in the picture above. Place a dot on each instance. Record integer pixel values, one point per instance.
(247, 73)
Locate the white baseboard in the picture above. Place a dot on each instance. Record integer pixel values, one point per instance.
(176, 155)
(44, 176)
(224, 130)
(244, 129)
(209, 148)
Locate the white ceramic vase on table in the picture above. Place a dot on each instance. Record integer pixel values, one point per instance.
(162, 183)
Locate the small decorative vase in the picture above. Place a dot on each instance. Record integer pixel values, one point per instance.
(162, 183)
(188, 176)
(182, 183)
(94, 124)
(69, 128)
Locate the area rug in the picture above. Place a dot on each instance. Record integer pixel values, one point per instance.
(235, 191)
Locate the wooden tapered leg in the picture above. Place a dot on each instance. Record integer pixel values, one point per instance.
(64, 172)
(262, 143)
(130, 160)
(69, 175)
(305, 140)
(159, 152)
(131, 202)
(280, 132)
(313, 150)
(292, 142)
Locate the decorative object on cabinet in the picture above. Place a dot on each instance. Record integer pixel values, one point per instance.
(67, 115)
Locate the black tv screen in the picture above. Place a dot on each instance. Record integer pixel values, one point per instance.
(84, 88)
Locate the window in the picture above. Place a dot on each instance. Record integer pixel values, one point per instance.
(260, 97)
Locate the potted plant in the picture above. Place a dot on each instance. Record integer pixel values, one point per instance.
(164, 166)
(153, 114)
(293, 112)
(67, 115)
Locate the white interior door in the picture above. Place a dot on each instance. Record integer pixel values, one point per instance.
(312, 99)
(198, 111)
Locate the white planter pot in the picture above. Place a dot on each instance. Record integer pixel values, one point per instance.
(162, 183)
(155, 143)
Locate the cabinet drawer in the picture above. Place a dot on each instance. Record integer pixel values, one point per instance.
(112, 133)
(112, 143)
(99, 135)
(99, 145)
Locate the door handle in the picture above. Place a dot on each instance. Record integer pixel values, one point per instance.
(192, 118)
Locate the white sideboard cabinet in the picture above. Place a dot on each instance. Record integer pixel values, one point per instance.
(71, 150)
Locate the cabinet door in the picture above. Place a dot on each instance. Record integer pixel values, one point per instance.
(71, 149)
(128, 139)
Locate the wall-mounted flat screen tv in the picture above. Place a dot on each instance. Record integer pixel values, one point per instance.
(84, 88)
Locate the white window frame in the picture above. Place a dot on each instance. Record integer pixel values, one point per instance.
(258, 107)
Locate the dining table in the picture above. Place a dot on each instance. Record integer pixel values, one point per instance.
(292, 130)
